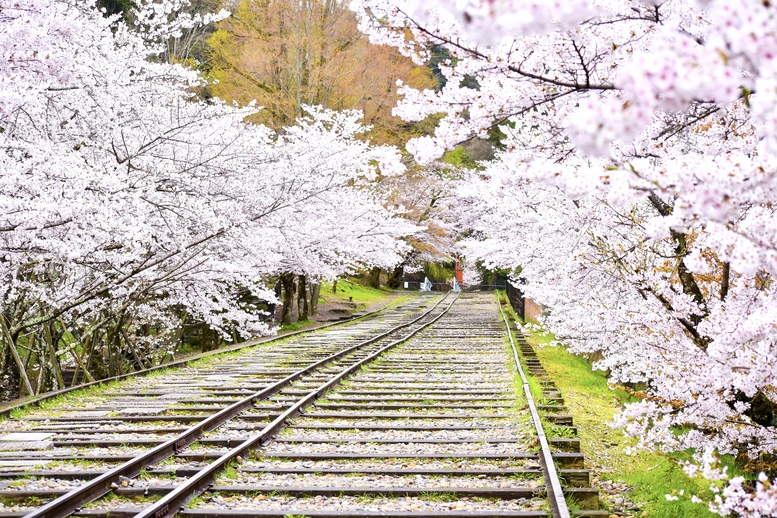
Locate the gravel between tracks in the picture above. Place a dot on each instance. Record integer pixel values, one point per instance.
(409, 448)
(410, 436)
(394, 464)
(350, 503)
(375, 480)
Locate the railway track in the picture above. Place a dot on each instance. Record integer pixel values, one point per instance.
(410, 413)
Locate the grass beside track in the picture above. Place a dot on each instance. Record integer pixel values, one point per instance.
(352, 292)
(593, 404)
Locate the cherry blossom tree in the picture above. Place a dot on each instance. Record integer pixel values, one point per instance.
(636, 190)
(129, 205)
(339, 223)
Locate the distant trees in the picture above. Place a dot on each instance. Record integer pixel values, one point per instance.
(286, 54)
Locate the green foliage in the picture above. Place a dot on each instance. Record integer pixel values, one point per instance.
(351, 291)
(440, 272)
(424, 127)
(195, 502)
(17, 413)
(230, 472)
(470, 154)
(122, 7)
(496, 135)
(459, 157)
(160, 373)
(439, 54)
(437, 496)
(295, 326)
(495, 276)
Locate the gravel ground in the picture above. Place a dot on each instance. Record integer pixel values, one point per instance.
(615, 496)
(401, 421)
(126, 436)
(422, 402)
(438, 388)
(279, 449)
(79, 466)
(406, 376)
(158, 481)
(292, 505)
(259, 405)
(15, 508)
(227, 433)
(110, 452)
(373, 480)
(378, 435)
(488, 413)
(119, 427)
(434, 380)
(242, 426)
(31, 452)
(394, 464)
(421, 398)
(38, 484)
(11, 425)
(55, 426)
(176, 463)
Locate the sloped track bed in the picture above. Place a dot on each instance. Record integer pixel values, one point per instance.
(424, 425)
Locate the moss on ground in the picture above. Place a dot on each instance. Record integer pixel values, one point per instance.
(349, 291)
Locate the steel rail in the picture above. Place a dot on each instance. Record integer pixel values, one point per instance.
(6, 411)
(174, 501)
(558, 503)
(101, 485)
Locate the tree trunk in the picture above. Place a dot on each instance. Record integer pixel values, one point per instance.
(315, 291)
(395, 277)
(10, 379)
(725, 280)
(373, 279)
(10, 382)
(52, 351)
(11, 345)
(139, 365)
(334, 286)
(209, 338)
(90, 352)
(287, 282)
(302, 299)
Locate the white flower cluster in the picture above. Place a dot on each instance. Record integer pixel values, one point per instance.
(636, 190)
(125, 199)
